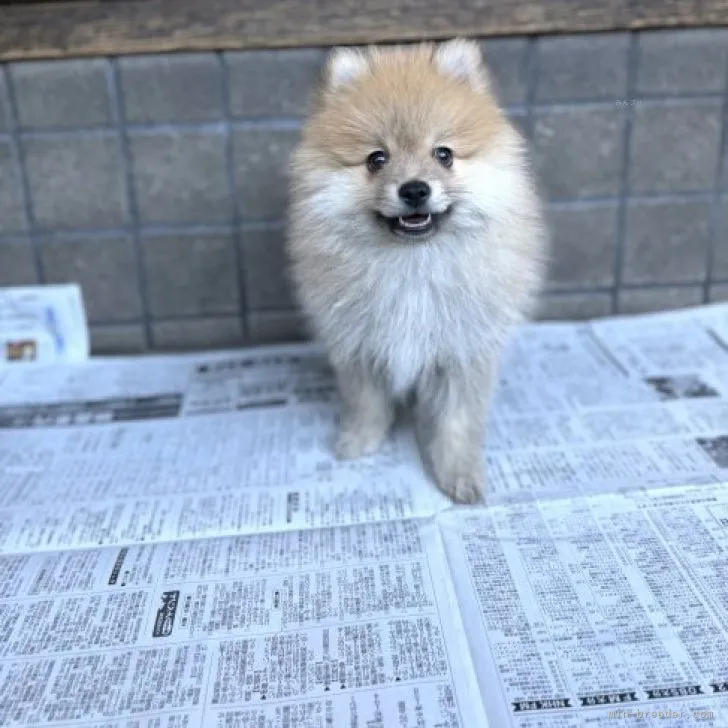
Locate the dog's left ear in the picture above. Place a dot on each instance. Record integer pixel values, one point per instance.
(463, 60)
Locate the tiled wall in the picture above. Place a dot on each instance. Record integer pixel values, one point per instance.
(157, 182)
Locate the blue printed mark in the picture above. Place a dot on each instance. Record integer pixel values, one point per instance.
(55, 329)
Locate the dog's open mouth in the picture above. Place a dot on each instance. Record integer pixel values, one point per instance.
(415, 225)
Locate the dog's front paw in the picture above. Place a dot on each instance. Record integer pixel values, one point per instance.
(464, 487)
(352, 443)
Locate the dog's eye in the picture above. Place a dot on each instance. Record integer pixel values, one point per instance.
(376, 160)
(444, 156)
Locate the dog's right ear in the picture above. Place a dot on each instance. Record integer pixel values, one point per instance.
(461, 59)
(344, 65)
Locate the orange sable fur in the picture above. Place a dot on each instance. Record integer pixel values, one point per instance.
(403, 100)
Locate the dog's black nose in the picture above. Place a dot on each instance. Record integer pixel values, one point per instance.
(415, 193)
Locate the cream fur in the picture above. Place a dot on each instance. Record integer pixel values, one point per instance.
(431, 317)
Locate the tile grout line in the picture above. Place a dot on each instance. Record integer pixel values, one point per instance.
(233, 192)
(660, 286)
(162, 127)
(531, 63)
(183, 318)
(639, 197)
(117, 101)
(618, 259)
(59, 234)
(294, 122)
(19, 158)
(716, 226)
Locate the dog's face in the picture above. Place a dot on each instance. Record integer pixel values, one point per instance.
(401, 142)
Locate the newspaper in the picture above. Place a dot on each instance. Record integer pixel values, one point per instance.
(42, 325)
(179, 548)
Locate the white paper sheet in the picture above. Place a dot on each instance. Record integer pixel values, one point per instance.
(42, 325)
(178, 547)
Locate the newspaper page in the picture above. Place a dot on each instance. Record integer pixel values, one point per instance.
(177, 544)
(348, 626)
(179, 548)
(42, 324)
(603, 601)
(604, 610)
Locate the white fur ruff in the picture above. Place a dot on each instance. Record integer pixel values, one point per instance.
(404, 308)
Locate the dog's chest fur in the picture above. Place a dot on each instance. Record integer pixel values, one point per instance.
(407, 309)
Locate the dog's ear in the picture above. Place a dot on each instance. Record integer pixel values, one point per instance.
(343, 66)
(463, 60)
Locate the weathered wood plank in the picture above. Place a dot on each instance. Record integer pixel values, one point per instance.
(91, 27)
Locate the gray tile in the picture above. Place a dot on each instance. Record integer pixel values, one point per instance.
(171, 87)
(266, 282)
(672, 62)
(261, 162)
(573, 306)
(582, 67)
(648, 300)
(674, 147)
(506, 59)
(61, 93)
(117, 339)
(720, 244)
(76, 182)
(12, 211)
(666, 242)
(181, 176)
(17, 264)
(582, 253)
(718, 292)
(191, 275)
(105, 268)
(578, 152)
(197, 334)
(4, 104)
(269, 327)
(273, 82)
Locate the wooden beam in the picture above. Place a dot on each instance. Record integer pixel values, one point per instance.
(99, 27)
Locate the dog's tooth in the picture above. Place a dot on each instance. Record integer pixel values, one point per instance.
(408, 224)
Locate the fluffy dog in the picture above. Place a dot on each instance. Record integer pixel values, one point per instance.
(416, 242)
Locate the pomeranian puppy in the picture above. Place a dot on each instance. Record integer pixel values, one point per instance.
(416, 243)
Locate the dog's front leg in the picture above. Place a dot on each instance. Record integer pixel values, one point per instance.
(367, 411)
(452, 405)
